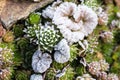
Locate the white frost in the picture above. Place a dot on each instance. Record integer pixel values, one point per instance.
(62, 52)
(75, 22)
(36, 77)
(41, 62)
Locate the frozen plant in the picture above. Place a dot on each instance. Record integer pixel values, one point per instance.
(5, 74)
(85, 77)
(112, 77)
(79, 21)
(6, 57)
(36, 77)
(102, 16)
(94, 68)
(41, 61)
(62, 52)
(98, 67)
(47, 38)
(106, 36)
(49, 11)
(31, 30)
(104, 65)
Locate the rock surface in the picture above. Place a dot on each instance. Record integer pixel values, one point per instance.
(13, 10)
(118, 3)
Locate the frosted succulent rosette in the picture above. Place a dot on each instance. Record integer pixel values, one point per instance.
(106, 36)
(62, 52)
(75, 22)
(41, 61)
(112, 77)
(85, 77)
(98, 67)
(36, 77)
(102, 16)
(94, 68)
(47, 38)
(31, 30)
(5, 74)
(6, 57)
(49, 11)
(44, 35)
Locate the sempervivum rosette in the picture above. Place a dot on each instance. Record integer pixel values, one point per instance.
(85, 77)
(112, 77)
(47, 38)
(5, 74)
(78, 20)
(6, 57)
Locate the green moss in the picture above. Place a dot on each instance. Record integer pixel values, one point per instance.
(21, 75)
(73, 52)
(117, 36)
(80, 70)
(107, 49)
(50, 74)
(58, 66)
(69, 75)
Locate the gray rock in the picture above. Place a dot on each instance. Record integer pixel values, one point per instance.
(11, 10)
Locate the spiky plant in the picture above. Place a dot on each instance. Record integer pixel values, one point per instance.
(8, 37)
(6, 57)
(5, 74)
(21, 75)
(48, 38)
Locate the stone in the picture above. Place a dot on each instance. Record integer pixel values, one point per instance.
(11, 10)
(2, 30)
(118, 3)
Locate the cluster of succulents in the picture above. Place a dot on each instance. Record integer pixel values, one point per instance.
(65, 40)
(6, 63)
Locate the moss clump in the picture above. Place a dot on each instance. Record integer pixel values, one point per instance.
(69, 74)
(117, 36)
(50, 74)
(73, 52)
(22, 75)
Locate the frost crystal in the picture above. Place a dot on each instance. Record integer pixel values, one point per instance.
(36, 77)
(49, 11)
(41, 62)
(112, 77)
(85, 77)
(74, 21)
(62, 52)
